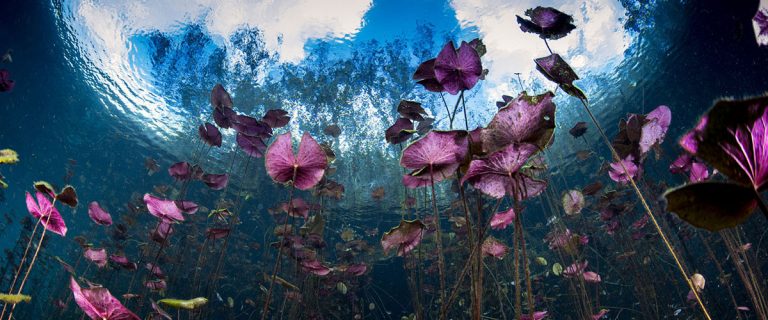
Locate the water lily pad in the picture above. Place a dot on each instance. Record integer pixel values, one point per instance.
(711, 205)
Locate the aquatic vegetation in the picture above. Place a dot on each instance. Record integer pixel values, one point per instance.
(304, 169)
(405, 237)
(14, 298)
(573, 202)
(210, 134)
(547, 22)
(189, 304)
(6, 84)
(760, 24)
(400, 131)
(527, 119)
(8, 156)
(97, 256)
(99, 215)
(164, 209)
(730, 137)
(99, 304)
(501, 220)
(503, 173)
(46, 213)
(458, 69)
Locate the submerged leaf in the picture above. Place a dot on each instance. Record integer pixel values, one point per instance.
(162, 208)
(458, 70)
(68, 196)
(501, 220)
(494, 248)
(502, 173)
(210, 134)
(406, 236)
(14, 298)
(48, 215)
(276, 118)
(98, 214)
(411, 110)
(99, 304)
(573, 202)
(8, 156)
(304, 170)
(527, 119)
(434, 157)
(400, 131)
(711, 205)
(190, 304)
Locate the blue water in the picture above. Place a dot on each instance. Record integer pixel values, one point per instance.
(98, 107)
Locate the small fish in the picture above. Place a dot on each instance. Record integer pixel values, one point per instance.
(7, 58)
(131, 296)
(230, 302)
(190, 304)
(218, 296)
(14, 298)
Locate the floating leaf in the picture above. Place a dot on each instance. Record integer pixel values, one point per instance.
(712, 205)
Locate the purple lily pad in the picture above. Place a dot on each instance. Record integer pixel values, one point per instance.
(216, 181)
(304, 170)
(527, 119)
(122, 261)
(220, 98)
(405, 237)
(99, 304)
(162, 231)
(617, 173)
(252, 146)
(296, 208)
(579, 129)
(251, 127)
(492, 247)
(655, 128)
(163, 209)
(180, 171)
(315, 267)
(548, 23)
(48, 215)
(760, 24)
(400, 131)
(216, 233)
(224, 117)
(501, 173)
(411, 110)
(97, 256)
(699, 172)
(276, 118)
(458, 70)
(434, 157)
(98, 214)
(425, 76)
(501, 220)
(6, 84)
(210, 134)
(732, 140)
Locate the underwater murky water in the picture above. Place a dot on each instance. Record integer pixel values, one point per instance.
(334, 137)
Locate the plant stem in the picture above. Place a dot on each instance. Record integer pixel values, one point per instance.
(279, 250)
(526, 267)
(29, 269)
(438, 239)
(761, 203)
(647, 210)
(21, 264)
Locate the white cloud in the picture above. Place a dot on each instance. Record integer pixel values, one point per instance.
(598, 42)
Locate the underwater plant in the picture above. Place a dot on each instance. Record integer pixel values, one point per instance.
(732, 137)
(554, 68)
(99, 304)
